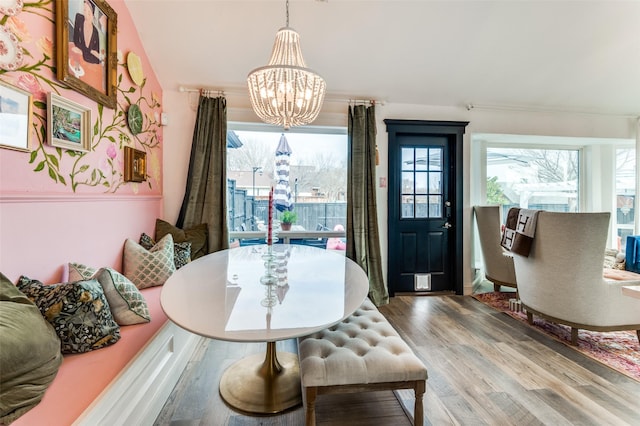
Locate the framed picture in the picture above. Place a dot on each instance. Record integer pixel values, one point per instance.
(86, 48)
(69, 124)
(135, 165)
(15, 117)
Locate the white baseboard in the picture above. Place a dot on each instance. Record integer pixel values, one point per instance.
(136, 396)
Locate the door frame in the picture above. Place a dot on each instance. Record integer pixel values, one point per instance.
(454, 132)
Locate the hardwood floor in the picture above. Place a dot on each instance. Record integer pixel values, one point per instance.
(485, 368)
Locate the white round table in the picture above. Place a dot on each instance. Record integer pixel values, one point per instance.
(264, 294)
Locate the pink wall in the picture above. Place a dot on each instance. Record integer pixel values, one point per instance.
(77, 208)
(41, 234)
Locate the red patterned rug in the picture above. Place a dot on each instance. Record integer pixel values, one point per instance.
(619, 350)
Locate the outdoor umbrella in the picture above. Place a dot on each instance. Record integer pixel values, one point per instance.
(282, 192)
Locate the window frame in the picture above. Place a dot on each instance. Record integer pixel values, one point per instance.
(597, 157)
(308, 237)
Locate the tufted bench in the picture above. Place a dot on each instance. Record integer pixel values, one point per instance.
(362, 353)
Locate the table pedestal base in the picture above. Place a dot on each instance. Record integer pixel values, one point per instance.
(263, 384)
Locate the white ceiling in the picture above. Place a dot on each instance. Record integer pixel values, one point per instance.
(558, 55)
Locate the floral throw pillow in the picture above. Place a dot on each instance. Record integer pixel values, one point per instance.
(181, 251)
(128, 305)
(79, 313)
(147, 268)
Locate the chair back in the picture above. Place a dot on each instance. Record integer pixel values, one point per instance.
(562, 276)
(498, 267)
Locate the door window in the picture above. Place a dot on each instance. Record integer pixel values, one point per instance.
(421, 193)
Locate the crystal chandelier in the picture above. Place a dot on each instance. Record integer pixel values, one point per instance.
(285, 92)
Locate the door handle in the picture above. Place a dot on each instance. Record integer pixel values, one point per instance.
(447, 225)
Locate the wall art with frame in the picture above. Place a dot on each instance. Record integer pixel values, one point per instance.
(15, 117)
(86, 48)
(135, 165)
(69, 124)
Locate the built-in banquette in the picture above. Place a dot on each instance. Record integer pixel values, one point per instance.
(60, 205)
(121, 356)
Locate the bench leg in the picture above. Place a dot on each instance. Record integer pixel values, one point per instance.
(418, 411)
(310, 409)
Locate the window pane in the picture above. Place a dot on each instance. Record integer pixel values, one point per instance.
(422, 206)
(435, 206)
(435, 183)
(545, 179)
(407, 159)
(422, 158)
(407, 183)
(421, 182)
(407, 206)
(435, 159)
(625, 195)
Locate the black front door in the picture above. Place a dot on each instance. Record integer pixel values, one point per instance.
(424, 202)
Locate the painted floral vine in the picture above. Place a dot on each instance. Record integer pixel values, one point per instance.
(34, 74)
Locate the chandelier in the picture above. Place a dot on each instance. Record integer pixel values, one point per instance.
(285, 92)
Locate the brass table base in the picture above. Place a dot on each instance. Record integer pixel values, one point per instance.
(263, 384)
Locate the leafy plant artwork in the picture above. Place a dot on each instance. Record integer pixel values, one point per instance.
(109, 131)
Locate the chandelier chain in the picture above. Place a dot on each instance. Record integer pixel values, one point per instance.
(287, 13)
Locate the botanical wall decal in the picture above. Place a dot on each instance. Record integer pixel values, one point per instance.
(101, 169)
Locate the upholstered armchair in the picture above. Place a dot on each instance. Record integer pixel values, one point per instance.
(562, 278)
(498, 263)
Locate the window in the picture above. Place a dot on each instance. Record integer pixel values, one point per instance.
(317, 167)
(625, 195)
(422, 189)
(558, 174)
(545, 179)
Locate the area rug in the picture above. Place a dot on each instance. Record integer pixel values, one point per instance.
(619, 350)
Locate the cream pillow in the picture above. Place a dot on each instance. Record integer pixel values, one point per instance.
(148, 268)
(78, 272)
(127, 304)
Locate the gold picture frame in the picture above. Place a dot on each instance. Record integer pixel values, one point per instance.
(69, 124)
(15, 117)
(87, 66)
(135, 165)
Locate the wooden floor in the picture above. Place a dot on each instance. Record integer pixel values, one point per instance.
(485, 368)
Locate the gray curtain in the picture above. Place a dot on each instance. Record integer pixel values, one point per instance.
(363, 238)
(205, 198)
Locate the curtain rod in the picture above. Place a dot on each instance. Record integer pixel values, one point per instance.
(203, 90)
(243, 91)
(542, 109)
